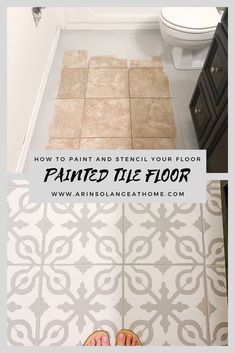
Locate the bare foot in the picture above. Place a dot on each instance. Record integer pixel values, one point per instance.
(99, 341)
(126, 339)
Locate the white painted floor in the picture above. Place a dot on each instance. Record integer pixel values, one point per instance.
(157, 269)
(143, 44)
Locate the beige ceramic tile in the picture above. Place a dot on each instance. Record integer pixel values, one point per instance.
(152, 118)
(73, 83)
(154, 143)
(67, 118)
(107, 61)
(63, 144)
(155, 62)
(108, 83)
(148, 82)
(105, 143)
(106, 118)
(75, 59)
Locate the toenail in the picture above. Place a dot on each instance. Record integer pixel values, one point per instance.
(121, 336)
(106, 338)
(129, 336)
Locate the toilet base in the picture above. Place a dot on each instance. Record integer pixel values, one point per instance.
(188, 59)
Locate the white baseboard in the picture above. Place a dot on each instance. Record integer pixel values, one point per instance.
(33, 118)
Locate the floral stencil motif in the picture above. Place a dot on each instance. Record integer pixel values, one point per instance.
(155, 268)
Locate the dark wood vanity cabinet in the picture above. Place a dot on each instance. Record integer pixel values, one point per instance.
(209, 104)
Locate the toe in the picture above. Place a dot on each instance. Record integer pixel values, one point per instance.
(92, 343)
(98, 341)
(105, 340)
(134, 342)
(128, 340)
(121, 339)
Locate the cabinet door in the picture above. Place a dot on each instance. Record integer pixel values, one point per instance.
(203, 115)
(217, 160)
(224, 21)
(217, 146)
(215, 70)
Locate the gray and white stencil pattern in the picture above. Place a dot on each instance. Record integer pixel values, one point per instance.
(157, 269)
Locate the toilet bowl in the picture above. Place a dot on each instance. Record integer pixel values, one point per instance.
(188, 31)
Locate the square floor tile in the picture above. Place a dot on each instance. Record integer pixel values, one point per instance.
(84, 233)
(67, 118)
(153, 143)
(213, 225)
(80, 300)
(75, 59)
(106, 118)
(25, 227)
(155, 62)
(106, 143)
(166, 305)
(63, 144)
(107, 61)
(73, 83)
(22, 305)
(148, 83)
(108, 83)
(218, 305)
(152, 118)
(163, 233)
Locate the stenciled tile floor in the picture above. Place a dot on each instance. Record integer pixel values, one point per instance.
(157, 269)
(104, 103)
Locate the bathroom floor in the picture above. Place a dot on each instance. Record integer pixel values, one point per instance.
(157, 269)
(131, 45)
(102, 103)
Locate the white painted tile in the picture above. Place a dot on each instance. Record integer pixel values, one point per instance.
(213, 225)
(163, 233)
(218, 306)
(25, 227)
(80, 301)
(166, 305)
(22, 305)
(84, 233)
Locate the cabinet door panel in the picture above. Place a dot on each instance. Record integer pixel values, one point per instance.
(204, 117)
(217, 159)
(215, 70)
(224, 21)
(217, 145)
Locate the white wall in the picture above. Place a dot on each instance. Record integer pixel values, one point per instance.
(28, 49)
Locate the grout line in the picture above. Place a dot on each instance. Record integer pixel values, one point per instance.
(129, 90)
(40, 283)
(115, 67)
(115, 98)
(116, 264)
(100, 68)
(106, 137)
(84, 105)
(126, 264)
(111, 137)
(123, 264)
(118, 137)
(205, 279)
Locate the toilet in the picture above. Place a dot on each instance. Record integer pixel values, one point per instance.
(188, 31)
